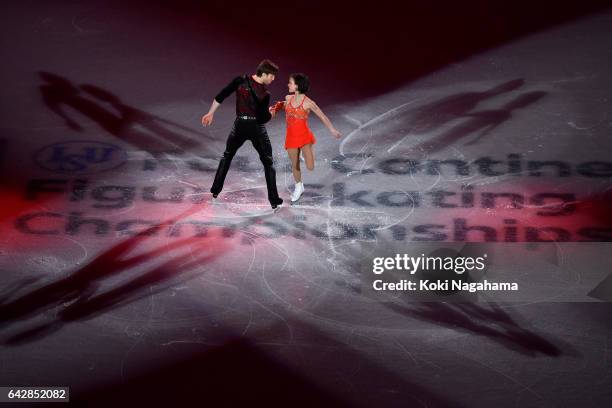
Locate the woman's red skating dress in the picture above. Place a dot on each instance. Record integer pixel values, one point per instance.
(298, 133)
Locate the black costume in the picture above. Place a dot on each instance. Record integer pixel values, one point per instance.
(246, 128)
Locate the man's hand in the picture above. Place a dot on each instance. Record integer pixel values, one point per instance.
(207, 119)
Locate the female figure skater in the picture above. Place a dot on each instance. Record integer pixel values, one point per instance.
(299, 138)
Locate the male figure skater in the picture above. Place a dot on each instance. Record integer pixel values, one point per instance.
(246, 126)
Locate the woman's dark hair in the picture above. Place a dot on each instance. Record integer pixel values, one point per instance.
(267, 67)
(301, 81)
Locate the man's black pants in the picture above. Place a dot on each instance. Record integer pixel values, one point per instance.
(242, 131)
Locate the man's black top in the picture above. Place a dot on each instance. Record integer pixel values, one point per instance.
(245, 105)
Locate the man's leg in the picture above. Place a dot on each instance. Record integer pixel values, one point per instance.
(261, 143)
(235, 139)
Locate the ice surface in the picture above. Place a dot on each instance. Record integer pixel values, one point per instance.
(87, 302)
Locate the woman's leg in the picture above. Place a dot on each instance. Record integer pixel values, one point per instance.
(308, 153)
(294, 155)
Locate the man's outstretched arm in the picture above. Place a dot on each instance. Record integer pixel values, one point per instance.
(221, 96)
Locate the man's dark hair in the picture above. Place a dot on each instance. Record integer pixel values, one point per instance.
(267, 67)
(302, 82)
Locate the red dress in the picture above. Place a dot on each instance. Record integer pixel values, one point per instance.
(298, 133)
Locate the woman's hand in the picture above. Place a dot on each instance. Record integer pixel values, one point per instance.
(336, 134)
(278, 106)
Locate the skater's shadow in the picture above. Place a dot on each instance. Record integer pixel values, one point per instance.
(463, 314)
(431, 116)
(479, 124)
(17, 286)
(492, 322)
(82, 287)
(444, 122)
(139, 128)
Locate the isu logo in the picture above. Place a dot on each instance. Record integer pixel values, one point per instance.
(81, 157)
